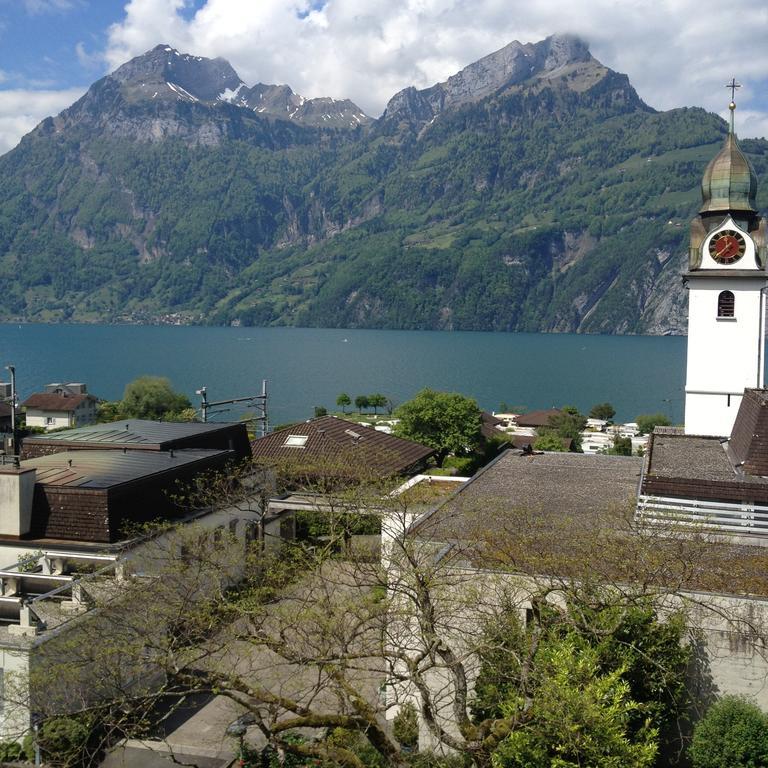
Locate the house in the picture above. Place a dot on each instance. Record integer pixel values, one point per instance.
(536, 419)
(60, 405)
(528, 525)
(71, 530)
(343, 448)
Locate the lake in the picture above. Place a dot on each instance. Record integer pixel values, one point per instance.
(305, 367)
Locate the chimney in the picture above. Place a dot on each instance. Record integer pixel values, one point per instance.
(17, 489)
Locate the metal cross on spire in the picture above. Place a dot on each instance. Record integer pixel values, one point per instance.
(733, 85)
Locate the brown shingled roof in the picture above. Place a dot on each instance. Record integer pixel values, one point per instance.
(329, 437)
(51, 402)
(537, 418)
(749, 438)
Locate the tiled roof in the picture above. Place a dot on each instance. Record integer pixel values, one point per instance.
(749, 437)
(537, 418)
(573, 486)
(49, 402)
(335, 439)
(489, 424)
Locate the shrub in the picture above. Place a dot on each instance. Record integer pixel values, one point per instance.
(405, 726)
(733, 734)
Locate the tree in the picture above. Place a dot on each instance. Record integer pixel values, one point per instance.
(152, 397)
(548, 442)
(622, 446)
(445, 421)
(362, 402)
(567, 424)
(377, 400)
(320, 410)
(309, 637)
(343, 401)
(604, 411)
(732, 734)
(647, 421)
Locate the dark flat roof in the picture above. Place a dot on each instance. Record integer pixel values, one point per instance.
(109, 468)
(131, 432)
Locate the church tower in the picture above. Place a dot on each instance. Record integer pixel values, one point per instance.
(726, 281)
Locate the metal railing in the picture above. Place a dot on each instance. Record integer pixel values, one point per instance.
(743, 518)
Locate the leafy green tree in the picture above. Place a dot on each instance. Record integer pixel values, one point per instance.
(733, 734)
(343, 401)
(446, 421)
(604, 411)
(108, 410)
(377, 400)
(568, 424)
(580, 716)
(622, 446)
(320, 410)
(151, 397)
(362, 402)
(647, 421)
(593, 677)
(548, 442)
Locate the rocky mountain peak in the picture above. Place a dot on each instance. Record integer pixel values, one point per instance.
(177, 75)
(514, 64)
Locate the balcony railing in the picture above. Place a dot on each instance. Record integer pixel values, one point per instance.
(742, 519)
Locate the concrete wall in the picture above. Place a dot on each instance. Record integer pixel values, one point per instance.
(17, 489)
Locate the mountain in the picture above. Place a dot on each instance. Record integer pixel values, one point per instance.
(513, 66)
(533, 190)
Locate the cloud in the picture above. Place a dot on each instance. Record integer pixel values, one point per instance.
(676, 52)
(21, 110)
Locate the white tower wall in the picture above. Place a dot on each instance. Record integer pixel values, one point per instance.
(725, 354)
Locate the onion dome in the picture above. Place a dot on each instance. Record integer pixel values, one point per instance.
(730, 182)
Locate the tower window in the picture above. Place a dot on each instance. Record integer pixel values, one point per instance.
(726, 304)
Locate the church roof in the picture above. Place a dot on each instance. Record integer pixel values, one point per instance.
(729, 182)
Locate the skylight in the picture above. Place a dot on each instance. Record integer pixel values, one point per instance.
(295, 441)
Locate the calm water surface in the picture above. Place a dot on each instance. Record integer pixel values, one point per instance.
(305, 367)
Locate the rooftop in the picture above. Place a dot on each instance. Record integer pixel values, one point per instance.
(692, 457)
(46, 401)
(339, 440)
(131, 432)
(576, 486)
(107, 469)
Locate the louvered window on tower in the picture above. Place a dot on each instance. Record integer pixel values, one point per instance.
(726, 304)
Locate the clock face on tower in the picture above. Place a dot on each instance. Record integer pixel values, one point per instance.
(727, 246)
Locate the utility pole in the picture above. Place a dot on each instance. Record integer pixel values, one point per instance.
(259, 402)
(14, 401)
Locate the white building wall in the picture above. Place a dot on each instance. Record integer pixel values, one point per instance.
(725, 355)
(48, 420)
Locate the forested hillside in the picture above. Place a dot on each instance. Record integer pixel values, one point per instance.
(501, 199)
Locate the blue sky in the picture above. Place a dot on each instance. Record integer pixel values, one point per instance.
(676, 52)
